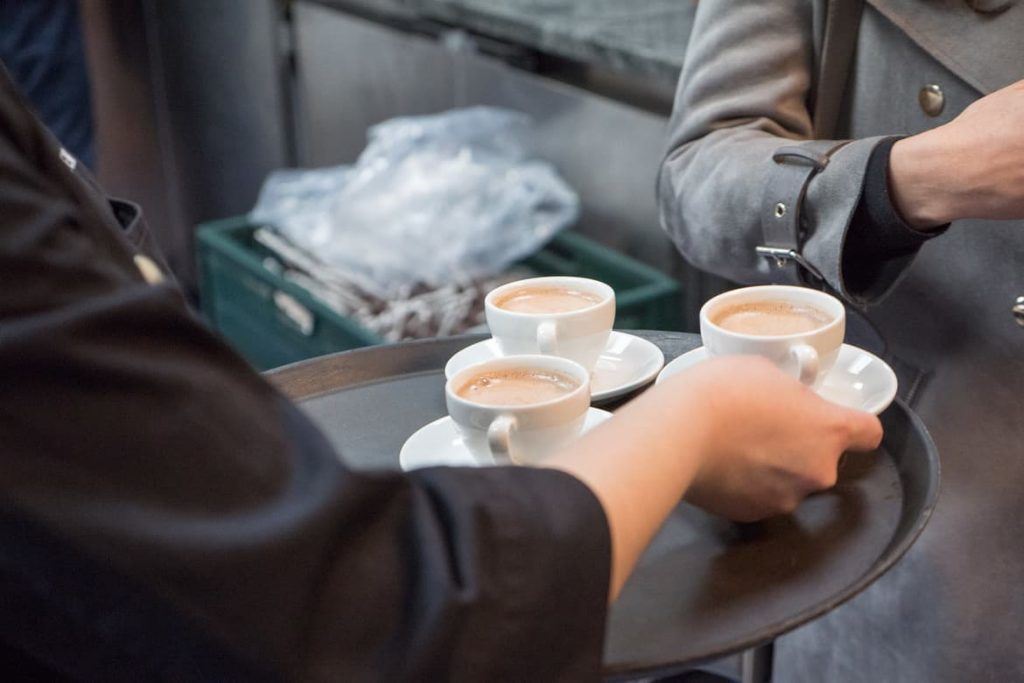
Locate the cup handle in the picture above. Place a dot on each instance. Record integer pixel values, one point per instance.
(806, 358)
(547, 338)
(499, 439)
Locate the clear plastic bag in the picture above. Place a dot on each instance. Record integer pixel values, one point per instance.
(432, 200)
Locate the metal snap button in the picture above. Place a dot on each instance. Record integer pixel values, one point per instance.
(780, 210)
(1018, 311)
(932, 99)
(150, 271)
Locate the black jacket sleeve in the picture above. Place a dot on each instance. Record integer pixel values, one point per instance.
(880, 245)
(136, 437)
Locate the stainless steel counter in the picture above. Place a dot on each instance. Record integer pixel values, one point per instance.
(641, 38)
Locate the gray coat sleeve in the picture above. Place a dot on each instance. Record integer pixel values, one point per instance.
(743, 93)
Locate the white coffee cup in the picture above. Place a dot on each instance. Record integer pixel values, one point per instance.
(519, 434)
(808, 356)
(580, 335)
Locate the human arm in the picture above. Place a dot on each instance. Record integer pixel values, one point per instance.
(916, 186)
(135, 438)
(882, 244)
(743, 94)
(971, 167)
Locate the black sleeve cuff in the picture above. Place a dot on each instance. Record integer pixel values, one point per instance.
(534, 546)
(880, 244)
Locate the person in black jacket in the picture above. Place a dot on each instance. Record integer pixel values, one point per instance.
(166, 514)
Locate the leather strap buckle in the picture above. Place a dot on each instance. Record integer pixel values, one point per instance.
(782, 207)
(782, 258)
(801, 156)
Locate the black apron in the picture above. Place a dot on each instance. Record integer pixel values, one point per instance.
(165, 514)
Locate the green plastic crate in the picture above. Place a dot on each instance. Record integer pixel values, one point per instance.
(273, 322)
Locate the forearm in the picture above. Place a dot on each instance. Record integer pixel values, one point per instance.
(709, 194)
(639, 465)
(735, 435)
(733, 111)
(971, 167)
(138, 439)
(938, 176)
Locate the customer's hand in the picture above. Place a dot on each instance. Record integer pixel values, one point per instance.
(769, 441)
(971, 167)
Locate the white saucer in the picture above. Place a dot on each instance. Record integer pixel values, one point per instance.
(627, 363)
(439, 444)
(859, 379)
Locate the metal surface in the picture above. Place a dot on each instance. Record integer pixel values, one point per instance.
(352, 73)
(1018, 310)
(932, 100)
(781, 256)
(642, 40)
(705, 587)
(756, 665)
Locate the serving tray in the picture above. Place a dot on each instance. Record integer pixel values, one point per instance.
(706, 587)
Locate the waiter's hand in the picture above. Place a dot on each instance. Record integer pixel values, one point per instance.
(734, 435)
(769, 441)
(971, 167)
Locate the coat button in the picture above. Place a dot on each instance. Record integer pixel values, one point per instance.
(1018, 311)
(149, 270)
(931, 99)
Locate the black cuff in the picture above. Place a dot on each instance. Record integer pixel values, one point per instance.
(880, 244)
(530, 555)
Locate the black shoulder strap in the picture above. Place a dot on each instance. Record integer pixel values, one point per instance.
(838, 44)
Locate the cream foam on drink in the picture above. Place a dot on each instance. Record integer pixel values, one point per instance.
(546, 300)
(770, 318)
(516, 387)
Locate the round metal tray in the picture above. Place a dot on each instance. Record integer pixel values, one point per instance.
(706, 587)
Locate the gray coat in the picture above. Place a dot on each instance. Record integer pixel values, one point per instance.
(953, 609)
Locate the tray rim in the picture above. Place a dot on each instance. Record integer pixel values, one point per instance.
(284, 378)
(892, 554)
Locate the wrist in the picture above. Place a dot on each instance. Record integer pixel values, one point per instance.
(919, 181)
(692, 420)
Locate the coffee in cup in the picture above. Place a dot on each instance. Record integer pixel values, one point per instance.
(516, 387)
(540, 299)
(520, 409)
(569, 317)
(800, 330)
(770, 318)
